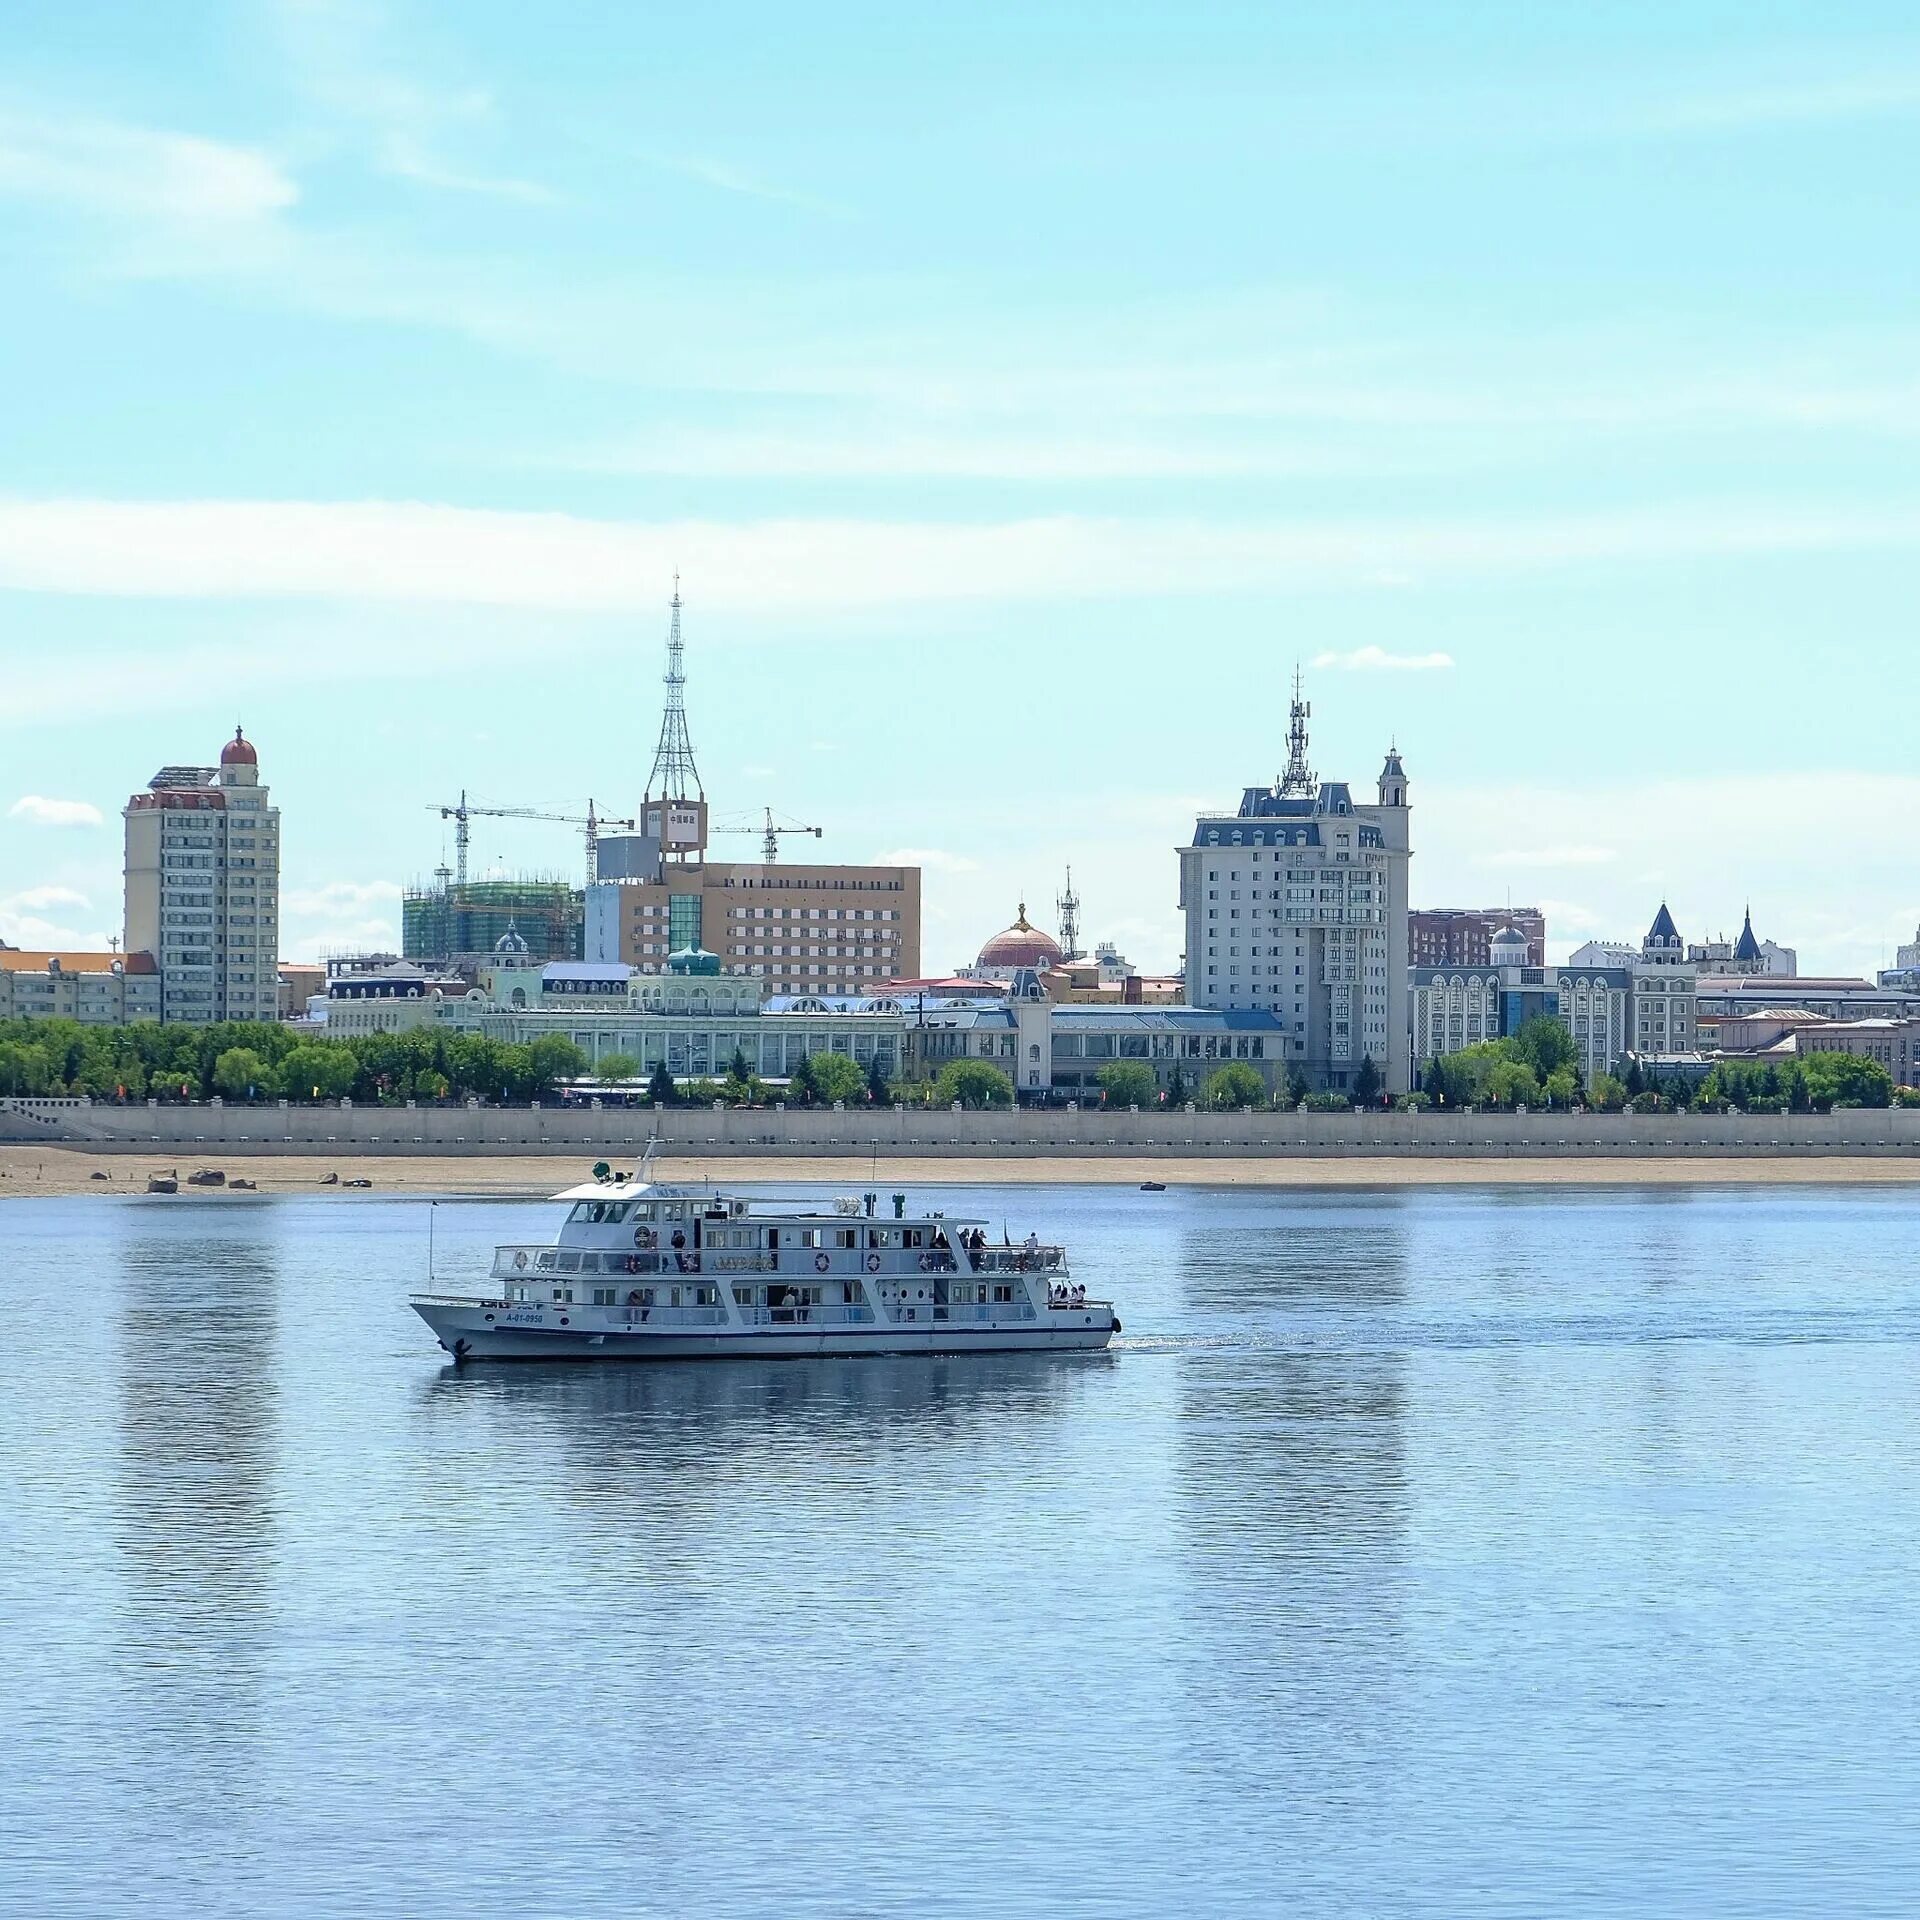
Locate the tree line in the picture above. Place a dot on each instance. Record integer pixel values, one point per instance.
(1539, 1067)
(251, 1061)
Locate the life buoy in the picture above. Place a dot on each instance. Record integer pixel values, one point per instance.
(520, 1262)
(643, 1236)
(821, 1263)
(873, 1263)
(633, 1264)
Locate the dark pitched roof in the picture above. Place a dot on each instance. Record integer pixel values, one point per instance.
(1663, 927)
(1747, 947)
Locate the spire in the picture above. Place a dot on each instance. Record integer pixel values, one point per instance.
(1297, 782)
(674, 776)
(1747, 948)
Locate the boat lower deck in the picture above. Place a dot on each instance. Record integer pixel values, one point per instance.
(475, 1330)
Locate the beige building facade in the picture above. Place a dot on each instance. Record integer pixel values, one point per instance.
(96, 989)
(799, 929)
(203, 888)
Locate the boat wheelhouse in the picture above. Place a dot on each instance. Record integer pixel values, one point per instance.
(646, 1271)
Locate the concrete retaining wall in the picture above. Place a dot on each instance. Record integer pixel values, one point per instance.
(1041, 1133)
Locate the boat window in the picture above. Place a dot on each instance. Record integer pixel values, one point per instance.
(562, 1296)
(616, 1212)
(569, 1263)
(846, 1236)
(743, 1296)
(603, 1296)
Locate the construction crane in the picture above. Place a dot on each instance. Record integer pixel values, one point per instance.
(770, 832)
(591, 822)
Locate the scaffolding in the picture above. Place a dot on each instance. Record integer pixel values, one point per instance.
(455, 924)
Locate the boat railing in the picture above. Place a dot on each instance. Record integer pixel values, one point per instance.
(981, 1311)
(667, 1316)
(821, 1316)
(456, 1300)
(1021, 1259)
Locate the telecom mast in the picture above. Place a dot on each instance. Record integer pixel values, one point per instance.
(1068, 907)
(674, 776)
(673, 810)
(1298, 781)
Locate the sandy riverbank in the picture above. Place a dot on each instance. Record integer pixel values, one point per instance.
(28, 1170)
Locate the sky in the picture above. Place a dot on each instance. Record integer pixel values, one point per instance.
(1020, 394)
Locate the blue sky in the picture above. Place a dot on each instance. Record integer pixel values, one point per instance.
(1020, 392)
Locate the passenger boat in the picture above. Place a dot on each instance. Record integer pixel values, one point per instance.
(645, 1271)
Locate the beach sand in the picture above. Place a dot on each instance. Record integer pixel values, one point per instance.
(37, 1169)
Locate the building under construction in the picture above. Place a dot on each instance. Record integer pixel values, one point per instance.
(463, 924)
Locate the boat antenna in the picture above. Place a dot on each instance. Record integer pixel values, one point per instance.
(432, 1207)
(648, 1156)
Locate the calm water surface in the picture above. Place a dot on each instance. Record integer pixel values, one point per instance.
(1492, 1552)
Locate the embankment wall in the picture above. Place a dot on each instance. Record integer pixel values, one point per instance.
(1037, 1134)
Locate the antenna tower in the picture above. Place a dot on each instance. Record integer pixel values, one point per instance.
(1298, 782)
(1068, 906)
(674, 776)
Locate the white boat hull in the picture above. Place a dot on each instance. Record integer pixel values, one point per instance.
(474, 1333)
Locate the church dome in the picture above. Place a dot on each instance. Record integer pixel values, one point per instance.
(512, 943)
(1508, 947)
(238, 752)
(1020, 945)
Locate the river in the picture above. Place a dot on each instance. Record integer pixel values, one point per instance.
(1469, 1551)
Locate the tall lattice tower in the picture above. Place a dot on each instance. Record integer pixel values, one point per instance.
(674, 776)
(673, 810)
(1298, 779)
(1068, 907)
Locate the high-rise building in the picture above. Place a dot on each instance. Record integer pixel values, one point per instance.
(1463, 936)
(1297, 905)
(203, 887)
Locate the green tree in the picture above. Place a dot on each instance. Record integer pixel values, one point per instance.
(474, 1066)
(315, 1070)
(800, 1083)
(1235, 1085)
(1634, 1080)
(1608, 1093)
(1849, 1077)
(1297, 1088)
(1434, 1082)
(615, 1067)
(661, 1089)
(1561, 1087)
(1510, 1083)
(241, 1074)
(25, 1068)
(836, 1077)
(1128, 1083)
(1545, 1046)
(1178, 1091)
(878, 1090)
(974, 1083)
(551, 1059)
(1366, 1083)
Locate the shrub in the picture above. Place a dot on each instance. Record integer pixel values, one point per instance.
(1414, 1103)
(1327, 1103)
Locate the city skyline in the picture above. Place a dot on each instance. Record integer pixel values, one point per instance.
(384, 364)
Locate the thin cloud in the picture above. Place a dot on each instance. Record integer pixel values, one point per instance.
(1379, 660)
(1795, 104)
(44, 812)
(41, 899)
(934, 859)
(738, 180)
(411, 552)
(107, 167)
(1564, 856)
